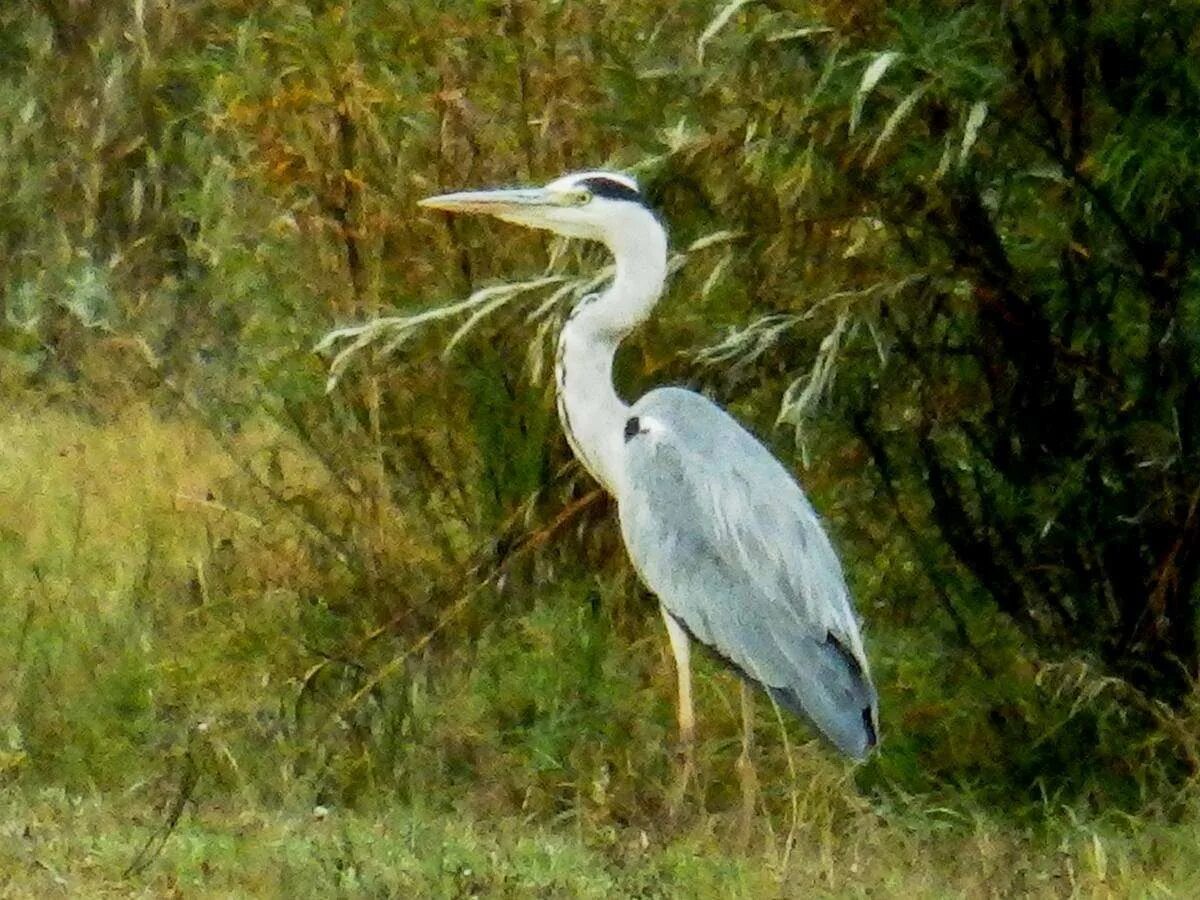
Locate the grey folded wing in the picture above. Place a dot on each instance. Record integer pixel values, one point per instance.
(720, 531)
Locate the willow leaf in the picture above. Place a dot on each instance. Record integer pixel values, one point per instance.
(903, 108)
(871, 76)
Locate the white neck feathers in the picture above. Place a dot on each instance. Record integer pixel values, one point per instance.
(593, 415)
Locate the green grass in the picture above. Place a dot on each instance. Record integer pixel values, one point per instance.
(155, 641)
(54, 843)
(83, 847)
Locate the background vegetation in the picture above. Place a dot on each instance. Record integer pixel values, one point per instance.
(382, 640)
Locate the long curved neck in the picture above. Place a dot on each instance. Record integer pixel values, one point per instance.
(593, 415)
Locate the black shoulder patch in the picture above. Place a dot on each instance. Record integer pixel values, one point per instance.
(612, 189)
(632, 428)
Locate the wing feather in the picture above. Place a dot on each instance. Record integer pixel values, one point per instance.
(720, 531)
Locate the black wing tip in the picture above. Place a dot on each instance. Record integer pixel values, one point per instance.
(868, 712)
(851, 660)
(855, 749)
(868, 718)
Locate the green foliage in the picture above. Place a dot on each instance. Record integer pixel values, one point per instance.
(949, 247)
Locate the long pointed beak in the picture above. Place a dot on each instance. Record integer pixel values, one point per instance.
(495, 203)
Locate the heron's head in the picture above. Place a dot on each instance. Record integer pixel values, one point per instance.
(598, 206)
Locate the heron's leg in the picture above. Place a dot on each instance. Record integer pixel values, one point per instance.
(745, 766)
(687, 717)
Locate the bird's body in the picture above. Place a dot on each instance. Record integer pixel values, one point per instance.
(719, 530)
(715, 526)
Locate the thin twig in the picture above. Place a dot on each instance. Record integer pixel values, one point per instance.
(530, 543)
(188, 780)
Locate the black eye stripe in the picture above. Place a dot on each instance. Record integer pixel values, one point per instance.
(600, 186)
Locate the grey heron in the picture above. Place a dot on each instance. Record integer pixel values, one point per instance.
(714, 524)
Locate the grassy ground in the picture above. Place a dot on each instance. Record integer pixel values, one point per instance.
(155, 632)
(55, 844)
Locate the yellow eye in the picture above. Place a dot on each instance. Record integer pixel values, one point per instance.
(579, 196)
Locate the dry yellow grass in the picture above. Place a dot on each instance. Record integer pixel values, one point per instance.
(124, 669)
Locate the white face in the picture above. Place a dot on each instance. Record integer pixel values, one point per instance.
(594, 206)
